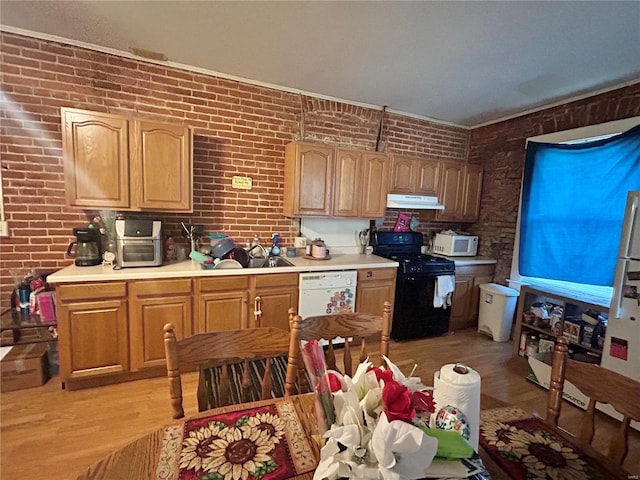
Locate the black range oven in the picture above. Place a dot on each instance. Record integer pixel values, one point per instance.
(414, 314)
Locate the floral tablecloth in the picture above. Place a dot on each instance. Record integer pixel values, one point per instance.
(264, 443)
(526, 448)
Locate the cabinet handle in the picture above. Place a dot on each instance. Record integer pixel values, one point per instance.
(257, 313)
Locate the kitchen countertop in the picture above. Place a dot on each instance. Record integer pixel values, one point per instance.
(464, 261)
(191, 268)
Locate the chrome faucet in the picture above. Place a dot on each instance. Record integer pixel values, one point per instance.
(265, 255)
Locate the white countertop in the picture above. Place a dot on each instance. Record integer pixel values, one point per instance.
(463, 261)
(191, 268)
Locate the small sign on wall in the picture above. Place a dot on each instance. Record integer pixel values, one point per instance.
(619, 348)
(243, 183)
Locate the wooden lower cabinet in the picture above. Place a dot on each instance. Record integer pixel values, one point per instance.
(466, 297)
(112, 332)
(273, 295)
(92, 327)
(154, 303)
(374, 287)
(222, 303)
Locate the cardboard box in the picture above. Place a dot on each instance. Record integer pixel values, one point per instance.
(540, 372)
(24, 366)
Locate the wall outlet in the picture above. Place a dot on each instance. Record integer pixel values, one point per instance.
(4, 229)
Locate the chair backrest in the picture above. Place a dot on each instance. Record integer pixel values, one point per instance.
(358, 327)
(234, 363)
(600, 385)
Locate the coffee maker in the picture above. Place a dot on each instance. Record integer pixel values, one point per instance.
(87, 247)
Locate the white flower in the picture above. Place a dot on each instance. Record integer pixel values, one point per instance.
(362, 443)
(402, 450)
(413, 384)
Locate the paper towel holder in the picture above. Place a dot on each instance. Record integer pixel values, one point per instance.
(461, 369)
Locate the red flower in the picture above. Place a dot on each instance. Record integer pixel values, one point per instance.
(423, 401)
(313, 356)
(397, 402)
(334, 382)
(386, 375)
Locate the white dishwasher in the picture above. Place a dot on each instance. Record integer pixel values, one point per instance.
(324, 293)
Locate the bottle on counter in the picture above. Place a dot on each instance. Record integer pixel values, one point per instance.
(275, 248)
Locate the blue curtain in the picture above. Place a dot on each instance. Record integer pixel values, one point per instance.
(573, 200)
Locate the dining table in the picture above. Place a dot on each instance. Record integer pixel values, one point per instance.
(172, 448)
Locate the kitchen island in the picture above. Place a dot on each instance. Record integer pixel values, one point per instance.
(110, 321)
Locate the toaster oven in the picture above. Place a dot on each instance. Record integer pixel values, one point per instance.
(453, 244)
(139, 243)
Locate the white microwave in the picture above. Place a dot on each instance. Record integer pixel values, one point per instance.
(453, 245)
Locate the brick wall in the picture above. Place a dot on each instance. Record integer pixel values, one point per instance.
(500, 148)
(240, 129)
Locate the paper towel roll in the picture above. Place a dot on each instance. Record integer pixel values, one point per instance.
(458, 385)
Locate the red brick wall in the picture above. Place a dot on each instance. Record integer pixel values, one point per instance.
(240, 129)
(501, 148)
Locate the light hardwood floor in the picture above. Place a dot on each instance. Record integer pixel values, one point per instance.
(49, 433)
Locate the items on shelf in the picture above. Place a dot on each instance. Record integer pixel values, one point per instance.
(546, 316)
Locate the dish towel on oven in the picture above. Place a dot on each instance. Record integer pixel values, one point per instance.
(443, 292)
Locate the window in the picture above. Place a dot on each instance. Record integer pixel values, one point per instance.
(571, 209)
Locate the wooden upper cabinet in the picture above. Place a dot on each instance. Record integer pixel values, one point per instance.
(162, 166)
(414, 176)
(427, 177)
(347, 183)
(472, 192)
(360, 184)
(402, 175)
(308, 176)
(375, 183)
(96, 159)
(460, 191)
(126, 164)
(322, 181)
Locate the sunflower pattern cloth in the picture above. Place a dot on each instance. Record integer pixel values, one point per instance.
(525, 448)
(265, 443)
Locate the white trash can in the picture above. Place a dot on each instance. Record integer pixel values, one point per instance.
(497, 308)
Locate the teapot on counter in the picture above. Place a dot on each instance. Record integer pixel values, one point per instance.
(319, 249)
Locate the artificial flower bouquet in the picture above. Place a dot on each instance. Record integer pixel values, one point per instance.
(379, 427)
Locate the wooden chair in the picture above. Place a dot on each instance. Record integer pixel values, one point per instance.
(600, 385)
(360, 327)
(235, 365)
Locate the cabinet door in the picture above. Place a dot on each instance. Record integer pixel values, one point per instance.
(273, 295)
(222, 303)
(460, 303)
(427, 177)
(93, 338)
(402, 175)
(450, 189)
(374, 287)
(222, 311)
(152, 305)
(308, 179)
(375, 181)
(96, 159)
(347, 183)
(472, 193)
(162, 167)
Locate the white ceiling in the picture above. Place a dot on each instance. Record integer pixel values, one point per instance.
(466, 63)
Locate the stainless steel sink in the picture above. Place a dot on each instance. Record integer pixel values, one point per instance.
(270, 262)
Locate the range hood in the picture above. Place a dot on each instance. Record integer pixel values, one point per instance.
(416, 202)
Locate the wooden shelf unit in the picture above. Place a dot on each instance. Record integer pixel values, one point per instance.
(570, 305)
